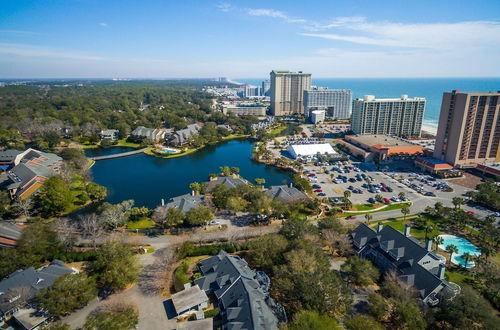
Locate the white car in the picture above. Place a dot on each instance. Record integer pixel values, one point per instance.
(214, 222)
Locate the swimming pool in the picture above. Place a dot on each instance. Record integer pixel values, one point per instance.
(463, 246)
(169, 151)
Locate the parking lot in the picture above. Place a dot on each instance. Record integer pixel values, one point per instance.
(421, 189)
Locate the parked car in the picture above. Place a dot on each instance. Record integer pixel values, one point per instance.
(371, 200)
(214, 222)
(387, 201)
(322, 194)
(470, 213)
(318, 190)
(351, 217)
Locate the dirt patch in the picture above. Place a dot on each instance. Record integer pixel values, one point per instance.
(468, 181)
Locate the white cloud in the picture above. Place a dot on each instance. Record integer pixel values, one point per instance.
(103, 24)
(274, 14)
(483, 34)
(225, 6)
(37, 51)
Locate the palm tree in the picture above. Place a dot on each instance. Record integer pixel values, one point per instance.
(428, 228)
(466, 256)
(457, 202)
(368, 217)
(438, 206)
(347, 194)
(379, 198)
(405, 210)
(451, 249)
(401, 195)
(438, 240)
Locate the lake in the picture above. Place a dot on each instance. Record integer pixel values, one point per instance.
(147, 179)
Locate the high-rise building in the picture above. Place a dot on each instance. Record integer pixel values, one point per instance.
(469, 128)
(287, 92)
(398, 117)
(266, 88)
(336, 102)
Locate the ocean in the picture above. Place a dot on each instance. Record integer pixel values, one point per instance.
(430, 88)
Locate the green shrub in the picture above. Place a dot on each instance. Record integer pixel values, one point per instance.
(212, 313)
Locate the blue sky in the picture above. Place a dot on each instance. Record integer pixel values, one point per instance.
(330, 38)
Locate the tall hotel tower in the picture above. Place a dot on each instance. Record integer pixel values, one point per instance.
(469, 128)
(287, 92)
(398, 116)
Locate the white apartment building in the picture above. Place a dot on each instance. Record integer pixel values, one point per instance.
(336, 102)
(317, 116)
(392, 116)
(287, 92)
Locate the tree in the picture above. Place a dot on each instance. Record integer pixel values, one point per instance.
(438, 240)
(401, 195)
(362, 322)
(68, 293)
(58, 325)
(225, 171)
(38, 243)
(467, 257)
(368, 217)
(267, 251)
(295, 228)
(331, 223)
(405, 210)
(95, 192)
(124, 318)
(379, 198)
(168, 217)
(115, 215)
(347, 194)
(260, 181)
(377, 306)
(457, 202)
(360, 272)
(23, 207)
(198, 216)
(237, 204)
(4, 202)
(451, 249)
(116, 266)
(312, 320)
(54, 196)
(301, 183)
(235, 170)
(407, 315)
(92, 228)
(292, 284)
(196, 187)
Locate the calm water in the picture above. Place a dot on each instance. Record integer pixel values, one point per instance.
(430, 88)
(106, 151)
(148, 179)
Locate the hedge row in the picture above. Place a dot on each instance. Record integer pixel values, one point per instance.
(77, 256)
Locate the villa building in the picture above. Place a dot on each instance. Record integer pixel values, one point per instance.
(28, 170)
(185, 202)
(109, 134)
(242, 294)
(190, 300)
(287, 194)
(9, 234)
(144, 133)
(228, 181)
(415, 264)
(183, 136)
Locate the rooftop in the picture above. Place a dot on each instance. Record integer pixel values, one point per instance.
(188, 298)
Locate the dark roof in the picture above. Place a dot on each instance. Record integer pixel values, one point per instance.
(286, 193)
(8, 155)
(403, 252)
(227, 181)
(34, 280)
(9, 230)
(241, 295)
(186, 202)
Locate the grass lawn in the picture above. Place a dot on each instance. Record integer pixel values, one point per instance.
(124, 143)
(276, 131)
(388, 208)
(144, 223)
(235, 136)
(364, 207)
(455, 276)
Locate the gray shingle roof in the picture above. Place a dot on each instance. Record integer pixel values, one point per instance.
(7, 156)
(403, 253)
(30, 278)
(243, 302)
(227, 181)
(186, 202)
(286, 193)
(9, 230)
(188, 298)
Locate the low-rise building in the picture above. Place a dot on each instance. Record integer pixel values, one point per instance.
(287, 194)
(29, 170)
(242, 109)
(413, 263)
(381, 147)
(185, 202)
(241, 293)
(152, 134)
(183, 136)
(9, 234)
(310, 150)
(189, 300)
(110, 134)
(432, 165)
(22, 286)
(317, 116)
(228, 181)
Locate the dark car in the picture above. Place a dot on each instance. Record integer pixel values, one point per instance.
(389, 189)
(371, 200)
(316, 186)
(318, 190)
(351, 217)
(352, 180)
(322, 194)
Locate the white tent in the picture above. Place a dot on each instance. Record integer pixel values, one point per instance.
(299, 150)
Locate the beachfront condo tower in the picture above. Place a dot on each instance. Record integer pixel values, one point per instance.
(469, 128)
(287, 92)
(397, 117)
